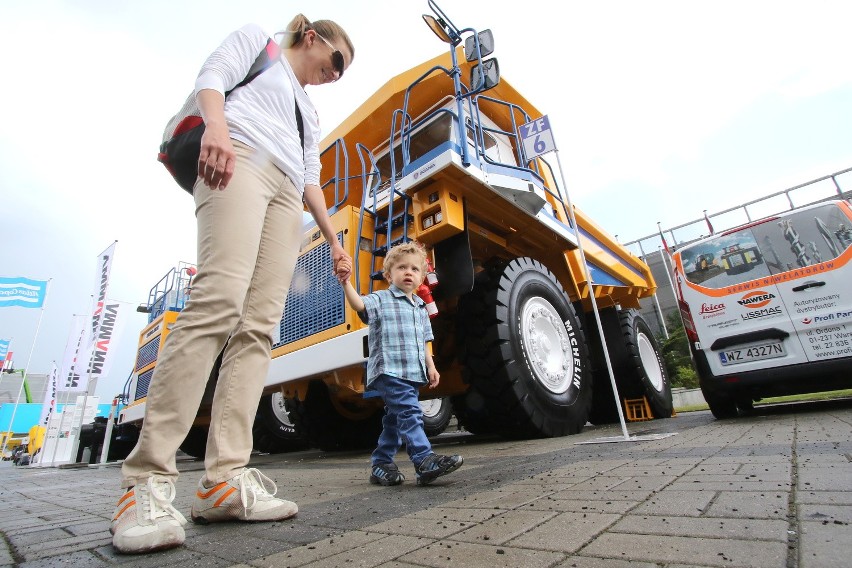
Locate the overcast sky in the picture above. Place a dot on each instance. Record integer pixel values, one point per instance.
(659, 110)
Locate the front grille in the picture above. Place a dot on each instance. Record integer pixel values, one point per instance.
(315, 301)
(142, 384)
(148, 353)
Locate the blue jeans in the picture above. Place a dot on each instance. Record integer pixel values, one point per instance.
(403, 421)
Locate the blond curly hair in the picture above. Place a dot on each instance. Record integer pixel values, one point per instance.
(400, 250)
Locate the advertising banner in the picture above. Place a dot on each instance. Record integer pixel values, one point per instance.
(22, 292)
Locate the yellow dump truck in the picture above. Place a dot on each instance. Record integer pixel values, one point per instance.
(436, 155)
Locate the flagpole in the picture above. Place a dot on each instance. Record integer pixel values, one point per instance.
(51, 386)
(26, 368)
(76, 445)
(3, 368)
(70, 369)
(3, 361)
(59, 428)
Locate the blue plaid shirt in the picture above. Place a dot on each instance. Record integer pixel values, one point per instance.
(399, 330)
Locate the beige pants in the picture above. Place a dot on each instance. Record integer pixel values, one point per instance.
(248, 243)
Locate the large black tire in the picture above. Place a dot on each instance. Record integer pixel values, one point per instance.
(195, 443)
(636, 363)
(643, 369)
(471, 415)
(525, 356)
(437, 413)
(273, 431)
(604, 410)
(325, 426)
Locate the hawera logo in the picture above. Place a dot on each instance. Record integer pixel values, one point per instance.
(712, 308)
(756, 299)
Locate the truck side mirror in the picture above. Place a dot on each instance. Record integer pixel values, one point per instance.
(485, 76)
(486, 45)
(438, 27)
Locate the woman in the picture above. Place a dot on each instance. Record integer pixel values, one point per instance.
(254, 172)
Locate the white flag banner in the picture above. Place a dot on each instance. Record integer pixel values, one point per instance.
(89, 349)
(112, 322)
(48, 406)
(100, 294)
(72, 377)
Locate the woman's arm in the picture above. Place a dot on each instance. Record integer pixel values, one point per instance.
(316, 205)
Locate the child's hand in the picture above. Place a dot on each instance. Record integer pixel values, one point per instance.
(344, 269)
(434, 377)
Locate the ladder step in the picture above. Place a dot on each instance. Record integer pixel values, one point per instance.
(398, 220)
(383, 250)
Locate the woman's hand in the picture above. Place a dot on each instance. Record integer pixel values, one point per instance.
(344, 268)
(217, 158)
(342, 262)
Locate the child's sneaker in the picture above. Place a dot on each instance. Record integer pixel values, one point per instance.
(434, 466)
(244, 497)
(144, 519)
(386, 474)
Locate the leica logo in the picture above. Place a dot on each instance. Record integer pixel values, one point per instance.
(712, 308)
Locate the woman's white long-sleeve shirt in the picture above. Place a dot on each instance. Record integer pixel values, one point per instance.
(262, 114)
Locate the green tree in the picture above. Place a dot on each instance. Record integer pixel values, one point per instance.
(676, 356)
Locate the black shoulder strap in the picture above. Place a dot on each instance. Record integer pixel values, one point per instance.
(263, 62)
(300, 124)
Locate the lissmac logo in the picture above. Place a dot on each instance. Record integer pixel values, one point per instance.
(756, 299)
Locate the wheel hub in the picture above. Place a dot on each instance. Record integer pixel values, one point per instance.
(431, 407)
(547, 345)
(280, 410)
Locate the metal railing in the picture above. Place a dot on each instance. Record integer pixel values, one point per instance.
(805, 194)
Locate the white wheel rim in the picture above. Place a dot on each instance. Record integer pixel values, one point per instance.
(547, 345)
(650, 362)
(431, 407)
(279, 410)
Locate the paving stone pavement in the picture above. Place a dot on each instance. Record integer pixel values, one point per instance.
(773, 489)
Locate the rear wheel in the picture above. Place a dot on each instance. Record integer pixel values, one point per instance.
(646, 363)
(526, 358)
(335, 425)
(273, 431)
(636, 363)
(437, 413)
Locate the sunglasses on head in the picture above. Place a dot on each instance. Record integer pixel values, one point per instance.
(336, 56)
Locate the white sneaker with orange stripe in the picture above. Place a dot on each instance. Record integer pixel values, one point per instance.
(244, 497)
(144, 519)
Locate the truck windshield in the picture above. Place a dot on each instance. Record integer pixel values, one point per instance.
(423, 141)
(802, 238)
